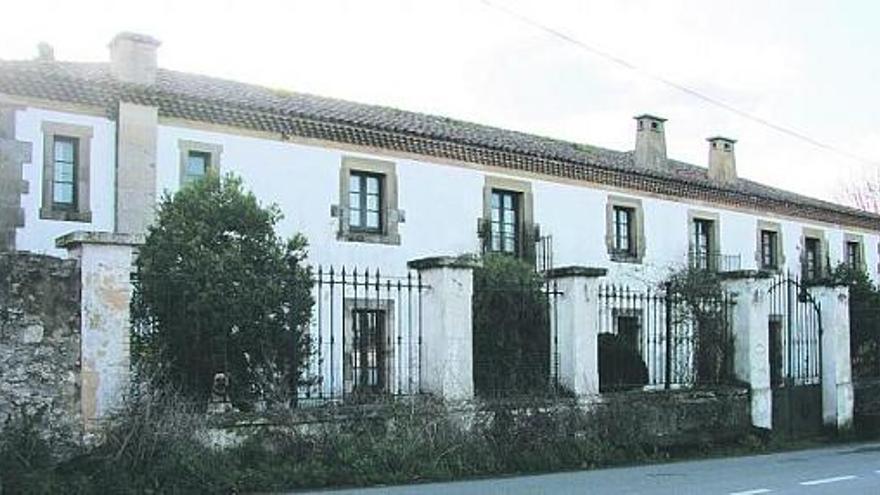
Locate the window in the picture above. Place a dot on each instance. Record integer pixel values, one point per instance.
(769, 249)
(702, 243)
(623, 230)
(367, 358)
(628, 329)
(853, 254)
(66, 154)
(507, 223)
(367, 209)
(365, 202)
(197, 160)
(198, 163)
(812, 259)
(504, 222)
(64, 180)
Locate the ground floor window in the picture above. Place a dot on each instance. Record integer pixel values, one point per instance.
(367, 352)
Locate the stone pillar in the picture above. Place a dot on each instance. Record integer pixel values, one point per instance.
(135, 167)
(837, 387)
(577, 327)
(13, 154)
(447, 360)
(751, 359)
(105, 262)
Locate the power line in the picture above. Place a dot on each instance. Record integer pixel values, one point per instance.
(679, 87)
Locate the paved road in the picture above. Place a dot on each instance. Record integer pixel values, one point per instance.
(851, 469)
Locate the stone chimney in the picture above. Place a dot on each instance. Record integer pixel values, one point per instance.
(650, 152)
(133, 58)
(722, 160)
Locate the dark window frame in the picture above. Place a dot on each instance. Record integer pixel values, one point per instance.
(703, 242)
(505, 230)
(853, 254)
(360, 226)
(368, 366)
(74, 164)
(624, 231)
(769, 249)
(812, 258)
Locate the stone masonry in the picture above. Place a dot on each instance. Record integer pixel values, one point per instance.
(13, 154)
(40, 340)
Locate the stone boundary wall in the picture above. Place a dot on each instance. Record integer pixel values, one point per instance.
(663, 419)
(40, 340)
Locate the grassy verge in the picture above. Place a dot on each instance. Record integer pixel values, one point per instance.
(156, 446)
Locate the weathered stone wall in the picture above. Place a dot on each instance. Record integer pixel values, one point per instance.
(867, 406)
(680, 418)
(40, 339)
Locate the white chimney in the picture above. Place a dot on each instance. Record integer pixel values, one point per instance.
(650, 152)
(133, 58)
(722, 160)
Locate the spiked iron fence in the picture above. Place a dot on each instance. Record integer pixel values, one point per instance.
(366, 334)
(656, 339)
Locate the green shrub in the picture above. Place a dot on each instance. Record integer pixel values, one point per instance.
(621, 367)
(511, 328)
(217, 290)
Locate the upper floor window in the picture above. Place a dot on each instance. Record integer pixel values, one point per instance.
(66, 154)
(197, 160)
(504, 221)
(769, 249)
(853, 254)
(507, 224)
(812, 258)
(64, 180)
(198, 163)
(367, 208)
(623, 230)
(365, 201)
(703, 243)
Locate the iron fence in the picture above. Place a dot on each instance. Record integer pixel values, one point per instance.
(656, 339)
(795, 333)
(515, 347)
(366, 334)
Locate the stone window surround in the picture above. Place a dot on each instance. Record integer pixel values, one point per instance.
(524, 188)
(83, 134)
(848, 238)
(715, 239)
(391, 216)
(814, 233)
(637, 229)
(385, 305)
(780, 251)
(186, 146)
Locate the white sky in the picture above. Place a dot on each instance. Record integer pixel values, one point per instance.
(807, 64)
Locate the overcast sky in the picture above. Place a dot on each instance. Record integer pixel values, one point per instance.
(809, 65)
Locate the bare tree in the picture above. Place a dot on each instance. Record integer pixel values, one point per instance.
(862, 191)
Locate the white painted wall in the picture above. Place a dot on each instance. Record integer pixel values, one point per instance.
(39, 235)
(442, 203)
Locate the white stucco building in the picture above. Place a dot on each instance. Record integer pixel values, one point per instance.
(129, 131)
(92, 146)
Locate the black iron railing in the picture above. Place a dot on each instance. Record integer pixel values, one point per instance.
(656, 339)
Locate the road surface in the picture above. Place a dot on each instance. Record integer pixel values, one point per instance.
(850, 469)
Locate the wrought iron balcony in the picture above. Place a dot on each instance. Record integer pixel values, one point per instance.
(714, 261)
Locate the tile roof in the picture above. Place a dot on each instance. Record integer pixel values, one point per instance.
(207, 99)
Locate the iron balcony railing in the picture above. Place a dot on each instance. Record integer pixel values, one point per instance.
(714, 261)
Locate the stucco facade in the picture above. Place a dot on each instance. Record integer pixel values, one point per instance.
(442, 202)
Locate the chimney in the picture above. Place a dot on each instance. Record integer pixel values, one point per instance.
(45, 52)
(650, 152)
(133, 58)
(722, 160)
